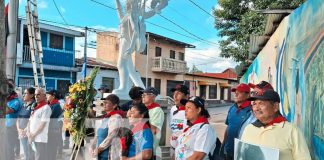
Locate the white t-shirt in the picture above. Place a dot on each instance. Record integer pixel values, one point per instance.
(196, 139)
(40, 115)
(178, 123)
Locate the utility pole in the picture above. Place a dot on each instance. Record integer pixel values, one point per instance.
(147, 59)
(3, 80)
(12, 40)
(85, 52)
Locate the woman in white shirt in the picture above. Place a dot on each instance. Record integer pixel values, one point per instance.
(199, 139)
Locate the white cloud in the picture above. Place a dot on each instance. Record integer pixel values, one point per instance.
(218, 7)
(62, 9)
(42, 4)
(208, 60)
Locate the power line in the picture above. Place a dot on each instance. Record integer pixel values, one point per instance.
(201, 8)
(172, 30)
(186, 30)
(182, 28)
(204, 55)
(192, 20)
(59, 12)
(103, 4)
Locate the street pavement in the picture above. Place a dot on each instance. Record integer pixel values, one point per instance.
(217, 120)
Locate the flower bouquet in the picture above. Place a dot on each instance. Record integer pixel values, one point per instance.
(77, 105)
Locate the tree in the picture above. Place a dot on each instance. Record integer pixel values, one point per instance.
(194, 69)
(3, 80)
(236, 20)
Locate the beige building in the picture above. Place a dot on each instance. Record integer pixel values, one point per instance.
(212, 86)
(165, 66)
(163, 63)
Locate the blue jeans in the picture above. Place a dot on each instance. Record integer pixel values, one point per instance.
(28, 152)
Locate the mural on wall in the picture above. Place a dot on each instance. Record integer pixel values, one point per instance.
(293, 62)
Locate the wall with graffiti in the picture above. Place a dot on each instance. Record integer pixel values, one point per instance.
(293, 62)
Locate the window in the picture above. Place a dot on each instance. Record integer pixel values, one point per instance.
(148, 82)
(158, 51)
(157, 85)
(63, 86)
(56, 41)
(203, 91)
(109, 82)
(181, 56)
(25, 83)
(172, 54)
(212, 91)
(145, 51)
(170, 85)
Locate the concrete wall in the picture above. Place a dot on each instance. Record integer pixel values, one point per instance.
(292, 61)
(107, 50)
(102, 73)
(209, 81)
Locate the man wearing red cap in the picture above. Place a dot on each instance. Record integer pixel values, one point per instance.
(236, 116)
(257, 88)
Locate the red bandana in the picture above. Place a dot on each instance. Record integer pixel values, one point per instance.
(123, 143)
(201, 119)
(12, 96)
(243, 105)
(181, 108)
(278, 119)
(120, 112)
(39, 105)
(153, 105)
(55, 101)
(139, 127)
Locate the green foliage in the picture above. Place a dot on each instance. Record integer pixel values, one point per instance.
(236, 20)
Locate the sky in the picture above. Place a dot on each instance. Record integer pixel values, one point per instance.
(191, 19)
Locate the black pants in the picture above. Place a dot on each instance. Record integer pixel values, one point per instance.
(228, 157)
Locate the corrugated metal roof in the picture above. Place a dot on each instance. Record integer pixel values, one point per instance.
(256, 45)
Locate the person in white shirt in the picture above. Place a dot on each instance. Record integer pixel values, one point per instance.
(37, 129)
(199, 139)
(177, 118)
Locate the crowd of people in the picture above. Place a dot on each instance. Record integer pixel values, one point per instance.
(133, 130)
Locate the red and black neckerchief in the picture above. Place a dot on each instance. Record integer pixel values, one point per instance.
(243, 105)
(38, 106)
(55, 101)
(139, 127)
(179, 108)
(201, 119)
(108, 115)
(278, 119)
(153, 105)
(12, 96)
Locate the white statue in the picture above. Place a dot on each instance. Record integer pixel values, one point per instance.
(132, 38)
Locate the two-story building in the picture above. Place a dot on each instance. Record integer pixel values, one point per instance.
(58, 57)
(212, 86)
(163, 61)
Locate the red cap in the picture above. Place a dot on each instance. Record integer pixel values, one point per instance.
(242, 87)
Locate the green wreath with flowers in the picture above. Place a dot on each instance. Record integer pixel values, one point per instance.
(77, 106)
